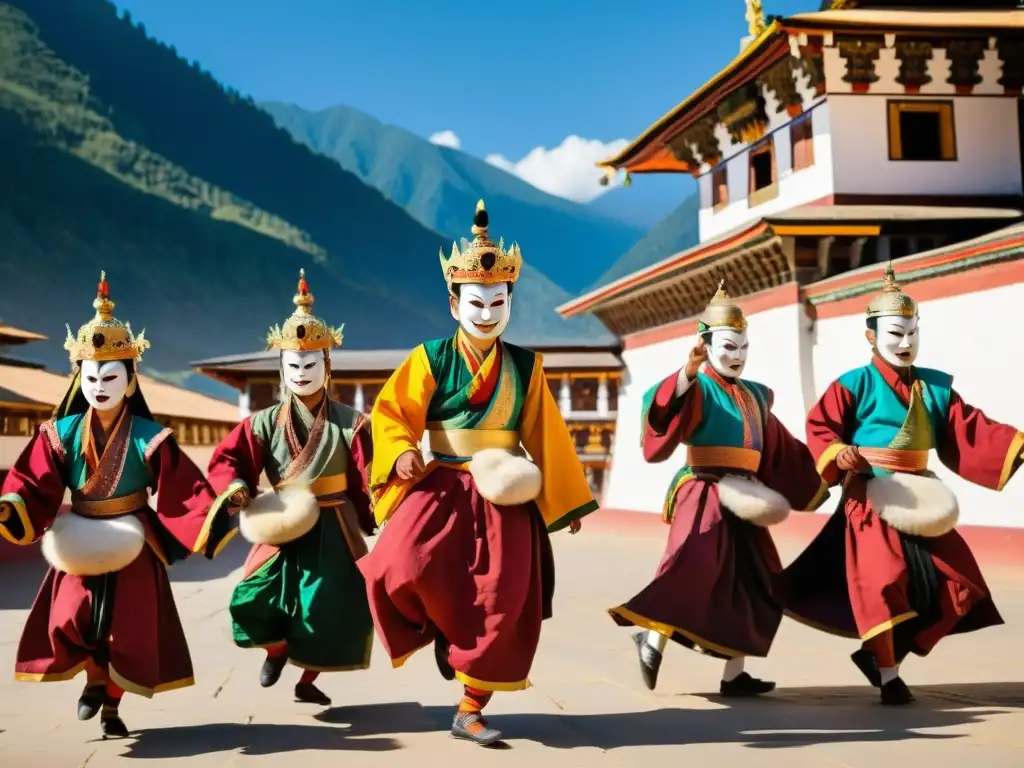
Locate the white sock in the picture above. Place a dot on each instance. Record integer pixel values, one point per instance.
(733, 668)
(888, 674)
(656, 640)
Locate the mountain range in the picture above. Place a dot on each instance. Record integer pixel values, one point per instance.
(572, 243)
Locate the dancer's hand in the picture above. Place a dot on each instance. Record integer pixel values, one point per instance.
(6, 512)
(850, 460)
(698, 355)
(409, 466)
(239, 499)
(575, 526)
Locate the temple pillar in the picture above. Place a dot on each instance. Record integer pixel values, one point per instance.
(602, 395)
(358, 400)
(857, 252)
(565, 396)
(245, 402)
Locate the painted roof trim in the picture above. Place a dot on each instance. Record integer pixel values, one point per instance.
(755, 47)
(877, 20)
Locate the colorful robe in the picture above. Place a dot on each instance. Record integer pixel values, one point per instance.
(718, 587)
(860, 576)
(125, 622)
(448, 560)
(308, 592)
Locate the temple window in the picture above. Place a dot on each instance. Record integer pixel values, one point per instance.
(801, 138)
(921, 130)
(719, 187)
(584, 394)
(762, 173)
(262, 395)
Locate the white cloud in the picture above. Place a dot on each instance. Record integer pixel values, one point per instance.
(446, 138)
(567, 170)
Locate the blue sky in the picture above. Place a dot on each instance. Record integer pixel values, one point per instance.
(506, 77)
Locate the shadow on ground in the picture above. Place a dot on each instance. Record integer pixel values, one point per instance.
(20, 582)
(344, 729)
(795, 717)
(198, 568)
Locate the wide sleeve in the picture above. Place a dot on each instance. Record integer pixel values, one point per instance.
(788, 467)
(565, 494)
(667, 420)
(184, 499)
(829, 424)
(236, 464)
(978, 449)
(34, 488)
(360, 450)
(399, 415)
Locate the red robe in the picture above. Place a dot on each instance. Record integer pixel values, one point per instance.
(717, 589)
(142, 647)
(860, 576)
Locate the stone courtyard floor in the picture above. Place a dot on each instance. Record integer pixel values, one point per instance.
(588, 706)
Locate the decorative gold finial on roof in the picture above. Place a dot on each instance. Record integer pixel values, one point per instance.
(303, 332)
(105, 338)
(892, 301)
(721, 313)
(756, 23)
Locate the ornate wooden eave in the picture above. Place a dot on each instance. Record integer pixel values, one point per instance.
(650, 152)
(680, 287)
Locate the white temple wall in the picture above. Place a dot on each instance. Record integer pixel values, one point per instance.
(798, 359)
(987, 142)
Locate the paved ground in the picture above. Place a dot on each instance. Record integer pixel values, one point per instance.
(587, 695)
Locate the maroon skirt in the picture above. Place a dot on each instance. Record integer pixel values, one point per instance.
(125, 622)
(717, 587)
(449, 561)
(861, 577)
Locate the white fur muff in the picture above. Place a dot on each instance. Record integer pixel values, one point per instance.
(504, 478)
(752, 501)
(277, 518)
(87, 546)
(919, 505)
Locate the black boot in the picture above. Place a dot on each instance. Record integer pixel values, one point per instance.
(441, 649)
(471, 726)
(90, 701)
(307, 693)
(744, 685)
(271, 670)
(867, 663)
(650, 660)
(895, 693)
(110, 720)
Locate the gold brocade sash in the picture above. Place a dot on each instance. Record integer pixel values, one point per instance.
(465, 443)
(120, 505)
(324, 487)
(895, 460)
(723, 457)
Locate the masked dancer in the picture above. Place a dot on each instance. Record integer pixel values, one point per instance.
(301, 597)
(888, 567)
(465, 561)
(105, 606)
(717, 589)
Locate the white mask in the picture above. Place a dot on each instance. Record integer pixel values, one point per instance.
(483, 310)
(728, 352)
(897, 339)
(304, 372)
(104, 384)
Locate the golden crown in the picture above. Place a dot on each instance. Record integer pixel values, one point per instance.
(105, 338)
(481, 261)
(892, 301)
(303, 332)
(721, 313)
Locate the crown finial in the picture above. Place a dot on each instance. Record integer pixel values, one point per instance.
(102, 304)
(480, 220)
(889, 284)
(303, 299)
(105, 337)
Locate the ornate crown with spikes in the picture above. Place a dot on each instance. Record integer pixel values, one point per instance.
(892, 301)
(105, 338)
(721, 313)
(481, 261)
(304, 332)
